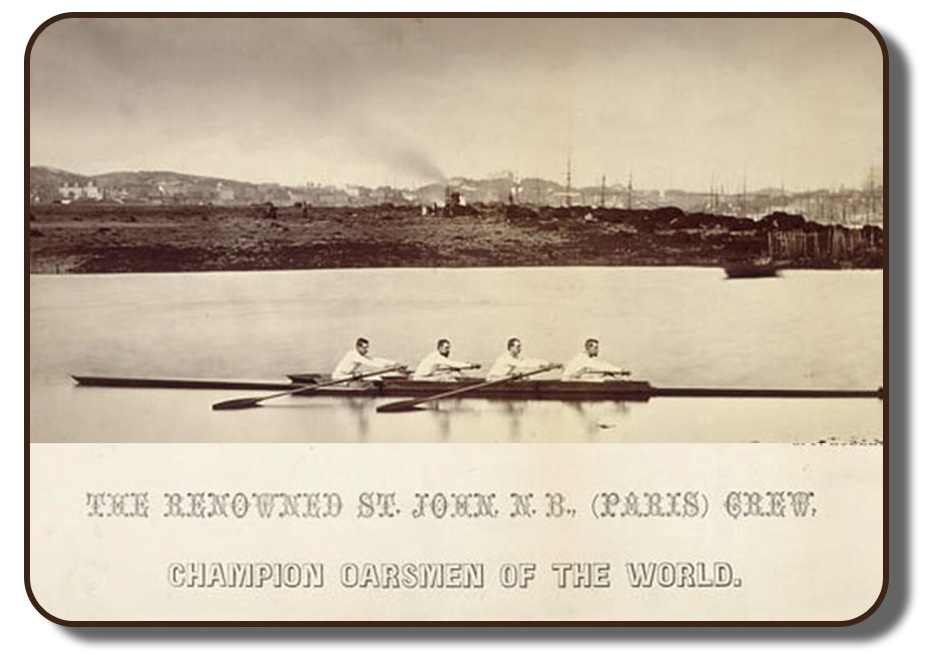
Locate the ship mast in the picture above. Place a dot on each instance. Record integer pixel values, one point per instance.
(744, 199)
(568, 184)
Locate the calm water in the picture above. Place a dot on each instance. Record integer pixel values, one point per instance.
(671, 326)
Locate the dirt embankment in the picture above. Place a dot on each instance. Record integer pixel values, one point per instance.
(101, 239)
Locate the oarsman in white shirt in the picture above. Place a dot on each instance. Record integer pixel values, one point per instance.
(358, 361)
(438, 365)
(511, 362)
(586, 366)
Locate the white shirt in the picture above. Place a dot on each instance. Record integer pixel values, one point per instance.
(582, 365)
(508, 365)
(356, 363)
(437, 366)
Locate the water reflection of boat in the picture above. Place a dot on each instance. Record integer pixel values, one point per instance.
(527, 389)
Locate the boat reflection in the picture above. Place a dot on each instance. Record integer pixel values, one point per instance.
(597, 417)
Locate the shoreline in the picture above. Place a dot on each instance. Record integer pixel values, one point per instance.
(97, 239)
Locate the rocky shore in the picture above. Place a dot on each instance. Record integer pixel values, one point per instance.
(96, 238)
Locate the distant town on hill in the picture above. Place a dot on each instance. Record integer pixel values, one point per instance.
(843, 206)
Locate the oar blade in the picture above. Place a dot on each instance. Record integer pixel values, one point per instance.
(241, 403)
(249, 402)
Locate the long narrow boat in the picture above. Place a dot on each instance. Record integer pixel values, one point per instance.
(524, 389)
(191, 384)
(528, 389)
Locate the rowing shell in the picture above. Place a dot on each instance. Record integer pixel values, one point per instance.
(523, 389)
(575, 391)
(193, 384)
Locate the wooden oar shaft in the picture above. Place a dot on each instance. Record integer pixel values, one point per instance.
(410, 404)
(248, 402)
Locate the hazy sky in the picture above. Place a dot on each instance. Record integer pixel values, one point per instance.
(678, 103)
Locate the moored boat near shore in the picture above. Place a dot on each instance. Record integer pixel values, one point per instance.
(751, 270)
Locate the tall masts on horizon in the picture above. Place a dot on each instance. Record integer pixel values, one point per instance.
(568, 184)
(744, 198)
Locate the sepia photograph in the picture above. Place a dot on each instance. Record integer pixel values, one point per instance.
(456, 268)
(569, 229)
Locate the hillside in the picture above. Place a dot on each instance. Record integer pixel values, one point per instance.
(50, 185)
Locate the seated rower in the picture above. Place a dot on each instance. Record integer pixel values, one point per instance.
(358, 361)
(438, 366)
(587, 367)
(511, 362)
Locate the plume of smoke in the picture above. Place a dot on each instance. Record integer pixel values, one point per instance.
(397, 153)
(408, 161)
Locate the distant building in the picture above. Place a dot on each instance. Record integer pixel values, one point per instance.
(224, 193)
(79, 192)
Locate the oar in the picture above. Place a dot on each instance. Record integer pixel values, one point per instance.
(249, 402)
(622, 372)
(472, 365)
(451, 368)
(406, 405)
